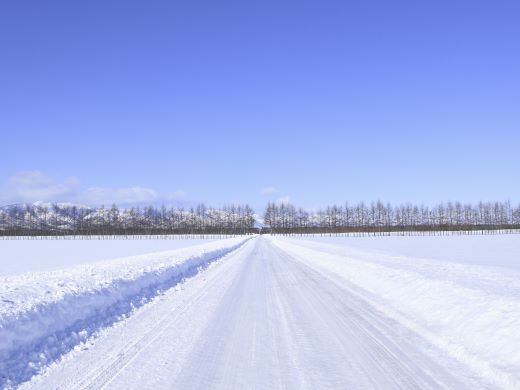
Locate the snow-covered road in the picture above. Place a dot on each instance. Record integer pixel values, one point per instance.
(259, 318)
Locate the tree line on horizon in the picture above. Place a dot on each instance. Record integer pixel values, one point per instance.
(285, 218)
(63, 219)
(57, 219)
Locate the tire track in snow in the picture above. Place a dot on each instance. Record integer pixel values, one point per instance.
(265, 319)
(316, 335)
(100, 377)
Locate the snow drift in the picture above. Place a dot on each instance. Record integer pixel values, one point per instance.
(45, 314)
(472, 312)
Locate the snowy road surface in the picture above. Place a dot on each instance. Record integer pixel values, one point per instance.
(261, 318)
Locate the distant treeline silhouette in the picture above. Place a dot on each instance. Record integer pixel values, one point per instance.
(378, 217)
(58, 219)
(64, 219)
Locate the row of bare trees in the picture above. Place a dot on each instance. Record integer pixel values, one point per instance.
(59, 219)
(63, 219)
(380, 217)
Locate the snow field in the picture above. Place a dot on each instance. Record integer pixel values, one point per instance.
(45, 314)
(259, 319)
(20, 254)
(470, 311)
(492, 250)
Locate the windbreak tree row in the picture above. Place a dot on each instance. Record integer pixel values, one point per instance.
(380, 217)
(59, 219)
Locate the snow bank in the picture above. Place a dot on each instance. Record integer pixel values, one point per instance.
(472, 312)
(27, 255)
(45, 314)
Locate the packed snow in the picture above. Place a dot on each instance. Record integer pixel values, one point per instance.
(45, 314)
(261, 319)
(470, 311)
(272, 312)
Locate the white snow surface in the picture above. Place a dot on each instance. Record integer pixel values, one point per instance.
(495, 250)
(44, 314)
(275, 313)
(26, 255)
(470, 311)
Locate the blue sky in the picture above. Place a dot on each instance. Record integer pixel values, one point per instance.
(313, 101)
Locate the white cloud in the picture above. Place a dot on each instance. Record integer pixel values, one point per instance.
(33, 186)
(268, 190)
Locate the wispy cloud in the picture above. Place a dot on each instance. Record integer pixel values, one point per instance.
(32, 186)
(268, 190)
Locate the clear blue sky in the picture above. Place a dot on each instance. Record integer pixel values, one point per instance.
(324, 101)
